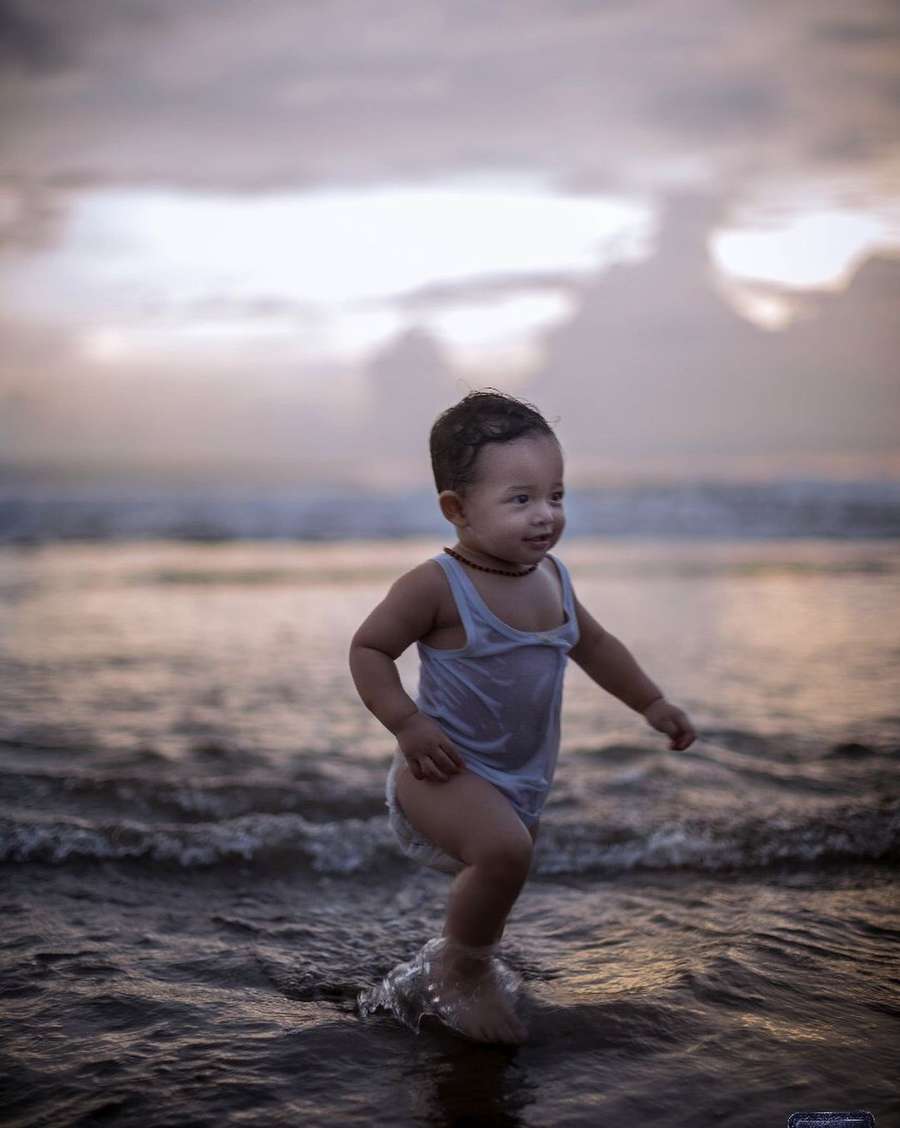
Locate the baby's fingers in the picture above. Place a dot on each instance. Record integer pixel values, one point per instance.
(685, 735)
(431, 768)
(452, 761)
(687, 739)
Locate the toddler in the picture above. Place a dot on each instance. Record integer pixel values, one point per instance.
(495, 619)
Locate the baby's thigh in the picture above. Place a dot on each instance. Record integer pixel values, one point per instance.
(466, 816)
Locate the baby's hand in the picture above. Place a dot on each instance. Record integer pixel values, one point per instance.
(668, 718)
(427, 750)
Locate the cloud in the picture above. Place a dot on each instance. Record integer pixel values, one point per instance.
(872, 29)
(712, 110)
(230, 96)
(28, 42)
(654, 373)
(736, 103)
(655, 363)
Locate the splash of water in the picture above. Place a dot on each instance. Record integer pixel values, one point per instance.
(432, 983)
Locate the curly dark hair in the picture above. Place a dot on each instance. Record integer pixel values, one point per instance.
(482, 417)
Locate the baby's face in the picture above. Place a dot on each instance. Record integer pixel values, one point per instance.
(514, 509)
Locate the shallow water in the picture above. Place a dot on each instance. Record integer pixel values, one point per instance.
(199, 880)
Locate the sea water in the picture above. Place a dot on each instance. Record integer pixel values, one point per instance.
(199, 883)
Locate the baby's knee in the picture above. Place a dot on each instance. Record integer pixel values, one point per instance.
(507, 859)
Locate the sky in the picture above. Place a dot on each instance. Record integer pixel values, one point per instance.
(273, 240)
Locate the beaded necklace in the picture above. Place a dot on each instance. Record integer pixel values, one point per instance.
(482, 568)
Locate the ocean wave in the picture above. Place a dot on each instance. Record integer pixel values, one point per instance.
(354, 846)
(341, 846)
(210, 798)
(848, 833)
(36, 512)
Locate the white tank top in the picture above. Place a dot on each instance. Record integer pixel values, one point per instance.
(498, 698)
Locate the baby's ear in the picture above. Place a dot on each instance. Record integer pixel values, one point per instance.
(451, 506)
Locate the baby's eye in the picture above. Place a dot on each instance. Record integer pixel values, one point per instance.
(521, 498)
(558, 496)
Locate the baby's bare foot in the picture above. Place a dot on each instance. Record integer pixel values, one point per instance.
(488, 1016)
(474, 995)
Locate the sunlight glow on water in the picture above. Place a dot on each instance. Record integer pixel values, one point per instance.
(169, 644)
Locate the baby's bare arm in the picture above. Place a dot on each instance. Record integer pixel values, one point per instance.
(406, 614)
(613, 667)
(609, 663)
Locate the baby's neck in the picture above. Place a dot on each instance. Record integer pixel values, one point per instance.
(486, 559)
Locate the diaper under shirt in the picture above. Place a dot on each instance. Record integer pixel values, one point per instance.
(499, 697)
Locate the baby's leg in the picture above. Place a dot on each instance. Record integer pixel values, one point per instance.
(469, 818)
